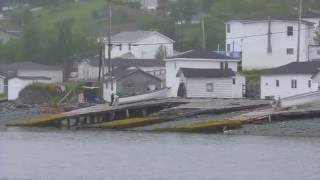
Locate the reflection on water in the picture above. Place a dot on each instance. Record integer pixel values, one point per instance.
(49, 154)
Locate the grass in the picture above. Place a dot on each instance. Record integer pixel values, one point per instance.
(81, 13)
(127, 123)
(207, 127)
(3, 95)
(39, 121)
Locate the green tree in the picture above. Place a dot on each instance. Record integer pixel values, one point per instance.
(187, 8)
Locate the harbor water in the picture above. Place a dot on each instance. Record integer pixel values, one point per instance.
(56, 154)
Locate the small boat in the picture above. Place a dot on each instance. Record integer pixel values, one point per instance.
(157, 94)
(296, 100)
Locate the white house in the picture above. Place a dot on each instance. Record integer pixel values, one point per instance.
(289, 80)
(149, 4)
(210, 83)
(141, 44)
(268, 42)
(17, 84)
(2, 79)
(200, 61)
(31, 69)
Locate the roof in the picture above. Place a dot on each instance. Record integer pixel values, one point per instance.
(135, 36)
(26, 65)
(206, 73)
(272, 18)
(311, 14)
(123, 62)
(122, 73)
(202, 54)
(31, 77)
(294, 68)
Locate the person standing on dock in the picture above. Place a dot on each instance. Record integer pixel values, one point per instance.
(111, 99)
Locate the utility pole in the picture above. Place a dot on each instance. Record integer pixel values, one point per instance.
(203, 34)
(299, 30)
(109, 44)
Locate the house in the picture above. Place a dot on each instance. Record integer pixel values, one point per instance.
(210, 83)
(202, 68)
(141, 44)
(290, 79)
(21, 74)
(149, 4)
(18, 83)
(2, 87)
(31, 69)
(88, 69)
(130, 82)
(268, 42)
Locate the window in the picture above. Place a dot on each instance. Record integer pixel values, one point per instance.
(309, 83)
(234, 81)
(221, 65)
(228, 47)
(290, 31)
(277, 83)
(129, 46)
(209, 87)
(294, 84)
(318, 52)
(226, 65)
(228, 28)
(290, 51)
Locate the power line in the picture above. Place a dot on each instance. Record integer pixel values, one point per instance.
(266, 34)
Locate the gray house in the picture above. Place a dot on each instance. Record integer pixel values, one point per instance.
(132, 82)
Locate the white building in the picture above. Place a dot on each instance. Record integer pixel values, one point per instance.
(17, 84)
(289, 80)
(269, 42)
(210, 83)
(149, 4)
(141, 44)
(31, 69)
(21, 74)
(199, 61)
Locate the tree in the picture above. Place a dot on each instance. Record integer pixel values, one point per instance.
(161, 53)
(187, 8)
(317, 37)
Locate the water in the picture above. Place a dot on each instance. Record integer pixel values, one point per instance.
(51, 154)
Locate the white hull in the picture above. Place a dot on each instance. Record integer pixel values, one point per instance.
(301, 99)
(163, 93)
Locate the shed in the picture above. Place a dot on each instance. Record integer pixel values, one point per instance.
(210, 83)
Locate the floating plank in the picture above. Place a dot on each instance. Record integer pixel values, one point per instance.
(127, 123)
(39, 121)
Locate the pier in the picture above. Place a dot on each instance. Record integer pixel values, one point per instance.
(139, 114)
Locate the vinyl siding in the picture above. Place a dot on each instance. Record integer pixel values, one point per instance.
(269, 88)
(222, 87)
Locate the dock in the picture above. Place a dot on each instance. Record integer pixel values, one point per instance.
(139, 114)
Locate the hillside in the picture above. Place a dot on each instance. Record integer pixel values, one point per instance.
(67, 28)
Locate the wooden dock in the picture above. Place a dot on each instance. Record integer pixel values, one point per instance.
(98, 114)
(149, 112)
